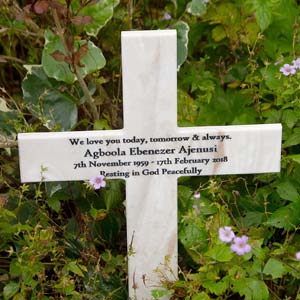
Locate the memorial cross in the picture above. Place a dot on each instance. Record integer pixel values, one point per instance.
(150, 153)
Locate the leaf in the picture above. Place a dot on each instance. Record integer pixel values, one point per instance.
(196, 7)
(286, 217)
(158, 294)
(287, 190)
(49, 100)
(292, 140)
(99, 12)
(218, 33)
(10, 290)
(54, 203)
(290, 117)
(221, 253)
(182, 41)
(201, 296)
(252, 289)
(294, 157)
(263, 13)
(91, 58)
(73, 267)
(275, 268)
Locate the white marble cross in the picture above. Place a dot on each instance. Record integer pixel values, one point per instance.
(150, 152)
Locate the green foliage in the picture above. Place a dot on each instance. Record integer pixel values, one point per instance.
(60, 70)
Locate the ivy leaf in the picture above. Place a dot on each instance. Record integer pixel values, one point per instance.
(275, 268)
(182, 42)
(98, 13)
(10, 289)
(54, 58)
(196, 7)
(49, 100)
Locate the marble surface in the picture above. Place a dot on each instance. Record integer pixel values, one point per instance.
(150, 152)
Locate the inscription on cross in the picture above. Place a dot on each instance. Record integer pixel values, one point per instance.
(150, 152)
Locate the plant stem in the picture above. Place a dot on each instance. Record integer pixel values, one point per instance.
(87, 94)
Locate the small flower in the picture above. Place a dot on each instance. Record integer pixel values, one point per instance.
(296, 63)
(226, 234)
(287, 70)
(97, 182)
(206, 1)
(240, 246)
(197, 195)
(167, 16)
(297, 255)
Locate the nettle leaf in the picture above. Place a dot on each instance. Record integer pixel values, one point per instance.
(196, 7)
(94, 16)
(275, 268)
(56, 62)
(49, 100)
(182, 41)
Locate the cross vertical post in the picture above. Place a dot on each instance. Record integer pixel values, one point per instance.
(149, 62)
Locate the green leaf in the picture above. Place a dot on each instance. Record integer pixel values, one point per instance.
(290, 117)
(158, 294)
(294, 157)
(73, 267)
(221, 253)
(182, 41)
(100, 11)
(218, 33)
(192, 234)
(292, 140)
(275, 268)
(10, 290)
(54, 203)
(201, 296)
(196, 7)
(287, 190)
(286, 217)
(263, 13)
(91, 61)
(252, 289)
(49, 100)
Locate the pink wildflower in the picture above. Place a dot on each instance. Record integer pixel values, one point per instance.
(197, 195)
(167, 16)
(297, 255)
(296, 63)
(226, 234)
(287, 69)
(240, 246)
(97, 182)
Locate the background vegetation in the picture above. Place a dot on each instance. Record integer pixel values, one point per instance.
(60, 70)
